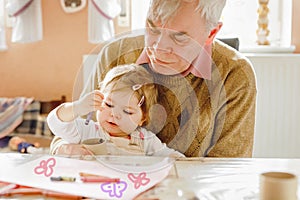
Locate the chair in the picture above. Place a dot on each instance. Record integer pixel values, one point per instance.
(233, 42)
(47, 106)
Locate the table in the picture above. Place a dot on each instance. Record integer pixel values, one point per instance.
(217, 178)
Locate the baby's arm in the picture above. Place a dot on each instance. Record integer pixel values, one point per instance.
(163, 150)
(90, 102)
(63, 121)
(155, 147)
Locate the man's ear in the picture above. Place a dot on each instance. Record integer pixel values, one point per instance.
(213, 33)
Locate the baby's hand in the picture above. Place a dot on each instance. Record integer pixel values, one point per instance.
(88, 103)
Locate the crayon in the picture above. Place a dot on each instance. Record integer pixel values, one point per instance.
(88, 118)
(63, 178)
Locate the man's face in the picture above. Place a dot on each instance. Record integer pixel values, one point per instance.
(174, 45)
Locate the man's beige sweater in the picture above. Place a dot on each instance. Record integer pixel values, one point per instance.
(195, 116)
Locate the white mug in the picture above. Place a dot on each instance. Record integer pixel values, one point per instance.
(278, 186)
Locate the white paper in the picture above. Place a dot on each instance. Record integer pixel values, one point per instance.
(35, 171)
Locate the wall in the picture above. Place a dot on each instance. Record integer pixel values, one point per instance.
(295, 25)
(47, 69)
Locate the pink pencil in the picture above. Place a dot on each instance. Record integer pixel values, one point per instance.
(8, 187)
(94, 179)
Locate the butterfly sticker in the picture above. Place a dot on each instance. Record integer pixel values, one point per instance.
(114, 189)
(45, 167)
(139, 180)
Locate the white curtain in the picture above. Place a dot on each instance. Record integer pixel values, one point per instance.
(28, 25)
(3, 45)
(100, 19)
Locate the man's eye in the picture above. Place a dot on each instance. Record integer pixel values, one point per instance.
(181, 38)
(154, 30)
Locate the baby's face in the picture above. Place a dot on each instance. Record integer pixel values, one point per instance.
(121, 114)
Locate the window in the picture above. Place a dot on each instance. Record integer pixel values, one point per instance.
(240, 20)
(139, 13)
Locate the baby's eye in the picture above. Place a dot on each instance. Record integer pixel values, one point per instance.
(108, 105)
(127, 112)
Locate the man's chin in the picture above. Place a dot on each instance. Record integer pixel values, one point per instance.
(164, 70)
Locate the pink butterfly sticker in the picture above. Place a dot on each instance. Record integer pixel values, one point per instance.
(114, 189)
(139, 180)
(45, 167)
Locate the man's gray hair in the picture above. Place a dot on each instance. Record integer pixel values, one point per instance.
(211, 10)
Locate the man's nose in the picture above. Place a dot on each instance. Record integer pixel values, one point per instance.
(163, 43)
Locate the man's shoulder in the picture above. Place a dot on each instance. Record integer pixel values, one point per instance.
(222, 53)
(122, 50)
(126, 43)
(229, 62)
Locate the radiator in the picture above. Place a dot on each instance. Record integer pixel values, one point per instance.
(277, 131)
